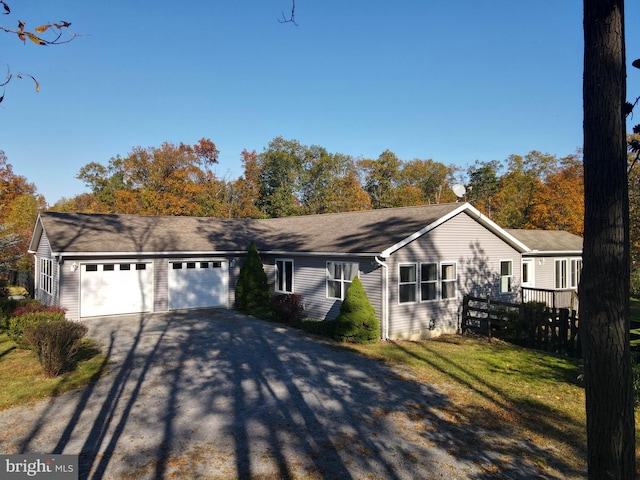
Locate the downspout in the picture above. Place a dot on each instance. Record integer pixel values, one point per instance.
(385, 298)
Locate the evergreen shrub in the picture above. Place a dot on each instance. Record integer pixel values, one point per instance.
(357, 322)
(252, 289)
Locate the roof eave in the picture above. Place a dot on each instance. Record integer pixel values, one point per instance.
(553, 253)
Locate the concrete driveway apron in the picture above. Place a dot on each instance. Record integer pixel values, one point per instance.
(216, 394)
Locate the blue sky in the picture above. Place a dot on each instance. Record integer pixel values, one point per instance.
(453, 81)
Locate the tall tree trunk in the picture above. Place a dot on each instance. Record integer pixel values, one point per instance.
(604, 290)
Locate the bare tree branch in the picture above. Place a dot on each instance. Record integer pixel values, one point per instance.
(292, 18)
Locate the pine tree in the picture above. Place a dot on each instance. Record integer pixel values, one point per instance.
(357, 322)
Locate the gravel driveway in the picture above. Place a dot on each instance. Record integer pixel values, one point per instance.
(215, 394)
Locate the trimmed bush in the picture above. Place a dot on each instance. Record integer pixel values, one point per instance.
(54, 343)
(288, 308)
(357, 322)
(26, 316)
(252, 289)
(326, 328)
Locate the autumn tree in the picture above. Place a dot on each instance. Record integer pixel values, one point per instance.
(281, 165)
(604, 287)
(519, 188)
(12, 186)
(330, 183)
(19, 207)
(170, 180)
(83, 203)
(559, 202)
(381, 177)
(483, 184)
(426, 182)
(19, 223)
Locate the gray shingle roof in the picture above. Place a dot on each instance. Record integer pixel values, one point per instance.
(362, 232)
(548, 240)
(369, 231)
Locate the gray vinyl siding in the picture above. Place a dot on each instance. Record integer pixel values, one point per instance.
(69, 284)
(309, 281)
(545, 271)
(44, 251)
(477, 253)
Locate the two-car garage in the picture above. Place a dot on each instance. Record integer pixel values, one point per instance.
(116, 288)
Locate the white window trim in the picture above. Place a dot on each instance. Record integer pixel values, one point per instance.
(415, 283)
(453, 280)
(573, 273)
(510, 276)
(343, 282)
(531, 271)
(565, 273)
(284, 281)
(436, 282)
(46, 275)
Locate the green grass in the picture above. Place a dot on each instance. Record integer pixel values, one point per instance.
(536, 396)
(23, 380)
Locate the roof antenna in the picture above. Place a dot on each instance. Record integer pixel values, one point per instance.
(459, 190)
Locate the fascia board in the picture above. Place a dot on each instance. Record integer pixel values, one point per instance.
(553, 253)
(35, 236)
(145, 254)
(210, 252)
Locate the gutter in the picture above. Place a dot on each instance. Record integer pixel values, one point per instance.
(385, 298)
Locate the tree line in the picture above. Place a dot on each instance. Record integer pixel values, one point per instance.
(288, 178)
(535, 190)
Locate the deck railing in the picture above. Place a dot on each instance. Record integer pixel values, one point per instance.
(560, 298)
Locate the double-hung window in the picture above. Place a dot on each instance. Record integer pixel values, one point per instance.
(561, 273)
(284, 276)
(506, 276)
(576, 272)
(428, 281)
(46, 275)
(339, 277)
(448, 279)
(407, 282)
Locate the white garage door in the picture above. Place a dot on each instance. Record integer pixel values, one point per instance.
(115, 288)
(198, 284)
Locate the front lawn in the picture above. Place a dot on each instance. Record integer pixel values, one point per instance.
(23, 380)
(536, 396)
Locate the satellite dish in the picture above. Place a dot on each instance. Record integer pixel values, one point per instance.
(459, 190)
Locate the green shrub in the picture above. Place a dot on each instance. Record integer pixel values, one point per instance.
(26, 316)
(288, 308)
(54, 343)
(357, 322)
(325, 328)
(252, 289)
(8, 306)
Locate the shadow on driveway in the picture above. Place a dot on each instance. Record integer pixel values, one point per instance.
(215, 394)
